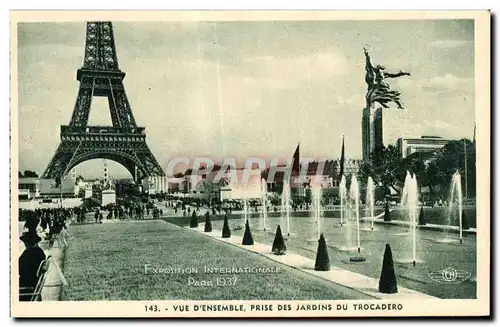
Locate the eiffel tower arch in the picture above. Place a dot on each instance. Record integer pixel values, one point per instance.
(123, 142)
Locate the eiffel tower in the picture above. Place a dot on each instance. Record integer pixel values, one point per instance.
(124, 142)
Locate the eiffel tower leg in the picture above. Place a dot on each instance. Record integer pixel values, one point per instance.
(149, 161)
(61, 161)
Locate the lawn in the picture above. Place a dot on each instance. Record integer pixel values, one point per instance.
(107, 262)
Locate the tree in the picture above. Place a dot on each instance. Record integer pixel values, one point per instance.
(279, 247)
(388, 282)
(433, 169)
(451, 158)
(386, 169)
(223, 182)
(308, 196)
(194, 220)
(322, 262)
(81, 193)
(440, 165)
(226, 232)
(247, 236)
(29, 173)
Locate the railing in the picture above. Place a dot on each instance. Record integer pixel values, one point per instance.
(65, 129)
(34, 293)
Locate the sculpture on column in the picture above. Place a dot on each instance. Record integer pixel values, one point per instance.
(378, 89)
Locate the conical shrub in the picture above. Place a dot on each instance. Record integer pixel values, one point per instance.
(465, 221)
(226, 232)
(388, 283)
(322, 260)
(247, 237)
(194, 220)
(208, 223)
(387, 214)
(421, 217)
(279, 247)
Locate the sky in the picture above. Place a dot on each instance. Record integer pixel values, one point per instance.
(239, 89)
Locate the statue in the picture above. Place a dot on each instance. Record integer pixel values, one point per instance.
(378, 89)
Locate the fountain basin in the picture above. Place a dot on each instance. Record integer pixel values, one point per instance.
(349, 249)
(357, 259)
(448, 240)
(368, 229)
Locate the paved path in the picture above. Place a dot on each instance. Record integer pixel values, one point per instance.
(54, 282)
(352, 280)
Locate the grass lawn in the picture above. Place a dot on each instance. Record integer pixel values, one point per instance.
(107, 262)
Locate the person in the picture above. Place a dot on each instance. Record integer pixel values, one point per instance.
(29, 262)
(31, 222)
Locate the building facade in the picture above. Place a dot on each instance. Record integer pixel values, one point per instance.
(372, 130)
(155, 184)
(29, 188)
(408, 146)
(67, 187)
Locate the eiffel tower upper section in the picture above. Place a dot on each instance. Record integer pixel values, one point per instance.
(101, 76)
(124, 141)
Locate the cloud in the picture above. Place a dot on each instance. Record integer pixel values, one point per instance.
(450, 44)
(448, 82)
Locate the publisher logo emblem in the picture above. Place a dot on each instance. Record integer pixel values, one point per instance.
(449, 276)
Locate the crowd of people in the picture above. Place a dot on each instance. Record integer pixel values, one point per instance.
(50, 222)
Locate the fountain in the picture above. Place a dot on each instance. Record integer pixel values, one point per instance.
(354, 212)
(369, 200)
(404, 197)
(412, 209)
(348, 213)
(410, 198)
(285, 206)
(343, 198)
(455, 201)
(351, 205)
(316, 198)
(354, 200)
(264, 203)
(245, 206)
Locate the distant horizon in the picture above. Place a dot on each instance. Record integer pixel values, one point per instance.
(125, 175)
